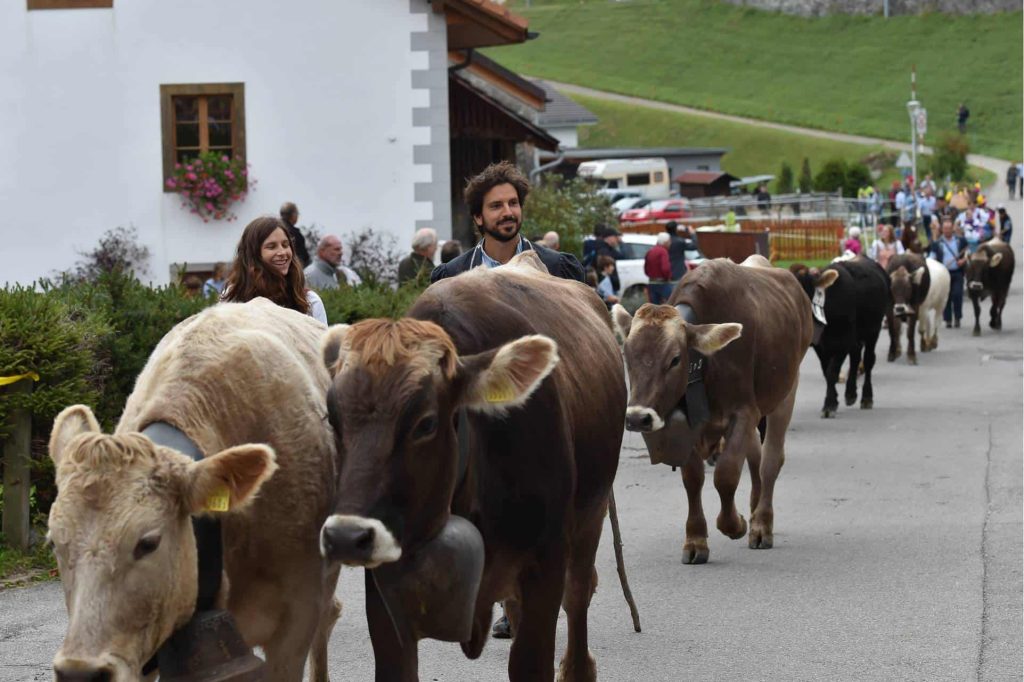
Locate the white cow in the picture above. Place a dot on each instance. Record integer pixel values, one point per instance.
(930, 314)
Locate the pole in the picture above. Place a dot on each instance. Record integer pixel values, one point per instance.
(912, 107)
(885, 5)
(619, 562)
(17, 486)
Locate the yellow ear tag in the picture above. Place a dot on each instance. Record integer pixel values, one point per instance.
(219, 500)
(500, 394)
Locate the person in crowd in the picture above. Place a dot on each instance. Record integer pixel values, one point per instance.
(865, 199)
(885, 245)
(962, 114)
(265, 265)
(607, 244)
(420, 262)
(926, 203)
(1005, 224)
(852, 243)
(451, 250)
(605, 265)
(193, 286)
(969, 223)
(951, 250)
(215, 285)
(326, 271)
(551, 240)
(928, 184)
(290, 218)
(1020, 179)
(894, 192)
(677, 248)
(764, 199)
(658, 269)
(495, 198)
(1011, 179)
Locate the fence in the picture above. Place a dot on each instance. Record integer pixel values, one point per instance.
(806, 239)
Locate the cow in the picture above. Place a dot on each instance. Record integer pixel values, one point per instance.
(933, 305)
(989, 271)
(909, 282)
(242, 387)
(528, 365)
(855, 295)
(735, 334)
(910, 237)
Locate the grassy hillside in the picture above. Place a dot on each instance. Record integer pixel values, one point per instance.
(844, 73)
(753, 150)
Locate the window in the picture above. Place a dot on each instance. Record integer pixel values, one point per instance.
(201, 118)
(69, 4)
(659, 177)
(634, 179)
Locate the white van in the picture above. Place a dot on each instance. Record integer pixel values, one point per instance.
(648, 177)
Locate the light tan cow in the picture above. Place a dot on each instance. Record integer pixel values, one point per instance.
(246, 384)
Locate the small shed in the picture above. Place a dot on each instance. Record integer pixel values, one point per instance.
(695, 184)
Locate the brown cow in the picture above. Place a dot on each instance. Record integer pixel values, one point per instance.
(544, 431)
(241, 382)
(755, 329)
(989, 271)
(909, 281)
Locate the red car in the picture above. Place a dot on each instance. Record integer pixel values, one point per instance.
(664, 209)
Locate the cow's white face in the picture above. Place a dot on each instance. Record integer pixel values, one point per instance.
(122, 535)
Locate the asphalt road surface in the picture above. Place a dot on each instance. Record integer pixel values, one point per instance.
(897, 547)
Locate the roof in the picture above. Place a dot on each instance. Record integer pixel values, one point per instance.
(590, 154)
(480, 23)
(562, 111)
(750, 179)
(528, 129)
(703, 177)
(498, 76)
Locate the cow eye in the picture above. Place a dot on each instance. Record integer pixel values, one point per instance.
(674, 363)
(147, 544)
(425, 427)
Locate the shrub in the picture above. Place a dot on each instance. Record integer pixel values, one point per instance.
(210, 184)
(118, 250)
(784, 183)
(347, 304)
(373, 256)
(806, 182)
(569, 207)
(831, 177)
(950, 158)
(857, 175)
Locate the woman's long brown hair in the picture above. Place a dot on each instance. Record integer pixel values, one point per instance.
(251, 277)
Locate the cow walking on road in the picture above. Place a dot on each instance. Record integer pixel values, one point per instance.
(909, 282)
(989, 272)
(854, 298)
(722, 355)
(230, 404)
(543, 430)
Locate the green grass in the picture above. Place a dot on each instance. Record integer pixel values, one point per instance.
(753, 150)
(844, 73)
(18, 569)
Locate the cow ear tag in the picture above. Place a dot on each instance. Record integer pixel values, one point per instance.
(219, 500)
(500, 394)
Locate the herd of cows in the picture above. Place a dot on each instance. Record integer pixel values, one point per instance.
(464, 455)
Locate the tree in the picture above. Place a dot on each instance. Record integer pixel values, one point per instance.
(857, 175)
(784, 184)
(831, 177)
(569, 207)
(950, 159)
(806, 182)
(118, 251)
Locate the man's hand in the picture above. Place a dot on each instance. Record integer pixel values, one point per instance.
(613, 299)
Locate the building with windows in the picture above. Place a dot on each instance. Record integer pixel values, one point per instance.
(356, 111)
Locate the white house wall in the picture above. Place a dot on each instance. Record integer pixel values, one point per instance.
(329, 100)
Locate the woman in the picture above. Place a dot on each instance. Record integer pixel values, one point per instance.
(885, 246)
(265, 266)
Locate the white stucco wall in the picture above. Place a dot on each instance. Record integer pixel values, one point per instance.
(567, 136)
(328, 93)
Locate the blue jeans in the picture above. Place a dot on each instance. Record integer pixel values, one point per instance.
(658, 292)
(955, 302)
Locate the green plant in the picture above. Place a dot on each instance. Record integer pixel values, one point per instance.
(118, 249)
(210, 183)
(806, 182)
(831, 177)
(950, 157)
(347, 304)
(569, 207)
(374, 256)
(857, 175)
(784, 183)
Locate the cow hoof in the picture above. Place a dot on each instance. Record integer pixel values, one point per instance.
(760, 538)
(911, 359)
(851, 400)
(867, 404)
(696, 553)
(733, 530)
(585, 671)
(828, 412)
(976, 332)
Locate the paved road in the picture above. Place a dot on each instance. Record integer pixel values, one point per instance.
(897, 557)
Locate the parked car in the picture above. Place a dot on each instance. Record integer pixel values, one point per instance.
(614, 195)
(664, 209)
(628, 203)
(632, 280)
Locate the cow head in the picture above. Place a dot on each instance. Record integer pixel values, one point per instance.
(656, 345)
(903, 282)
(122, 535)
(813, 278)
(396, 388)
(977, 265)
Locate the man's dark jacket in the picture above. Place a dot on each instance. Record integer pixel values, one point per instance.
(603, 248)
(562, 265)
(299, 245)
(412, 266)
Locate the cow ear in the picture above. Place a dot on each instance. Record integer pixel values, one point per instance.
(72, 421)
(496, 381)
(622, 320)
(827, 279)
(331, 347)
(919, 275)
(996, 260)
(230, 479)
(708, 339)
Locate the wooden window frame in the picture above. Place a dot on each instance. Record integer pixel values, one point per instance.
(167, 131)
(70, 4)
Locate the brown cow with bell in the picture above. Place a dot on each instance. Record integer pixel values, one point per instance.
(705, 369)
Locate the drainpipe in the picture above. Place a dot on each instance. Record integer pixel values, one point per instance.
(547, 166)
(464, 63)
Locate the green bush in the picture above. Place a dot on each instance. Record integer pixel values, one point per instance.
(784, 183)
(347, 305)
(831, 177)
(806, 182)
(857, 175)
(950, 158)
(569, 207)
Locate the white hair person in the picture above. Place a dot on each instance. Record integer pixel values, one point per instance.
(663, 239)
(424, 239)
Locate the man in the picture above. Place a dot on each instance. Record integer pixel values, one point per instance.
(451, 250)
(551, 240)
(290, 216)
(658, 269)
(951, 250)
(926, 202)
(495, 198)
(1011, 179)
(962, 114)
(1005, 224)
(928, 184)
(326, 270)
(677, 248)
(608, 241)
(420, 262)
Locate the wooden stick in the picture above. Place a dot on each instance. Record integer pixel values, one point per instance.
(620, 564)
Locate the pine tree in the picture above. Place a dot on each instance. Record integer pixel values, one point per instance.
(806, 179)
(784, 184)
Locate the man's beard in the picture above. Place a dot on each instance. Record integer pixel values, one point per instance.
(500, 231)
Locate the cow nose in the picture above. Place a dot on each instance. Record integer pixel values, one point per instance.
(639, 421)
(83, 675)
(347, 543)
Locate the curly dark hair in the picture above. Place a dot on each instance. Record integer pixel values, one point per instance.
(251, 277)
(501, 173)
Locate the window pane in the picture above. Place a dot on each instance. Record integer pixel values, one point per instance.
(186, 108)
(187, 135)
(219, 107)
(220, 134)
(185, 155)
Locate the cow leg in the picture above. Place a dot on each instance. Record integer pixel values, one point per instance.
(578, 663)
(695, 548)
(290, 645)
(976, 302)
(911, 352)
(867, 394)
(394, 660)
(541, 586)
(894, 336)
(831, 406)
(318, 651)
(923, 330)
(772, 457)
(741, 438)
(851, 380)
(996, 312)
(754, 466)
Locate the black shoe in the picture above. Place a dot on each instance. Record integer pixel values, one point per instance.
(949, 325)
(502, 629)
(957, 324)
